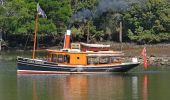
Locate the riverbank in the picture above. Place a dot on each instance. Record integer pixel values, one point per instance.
(158, 54)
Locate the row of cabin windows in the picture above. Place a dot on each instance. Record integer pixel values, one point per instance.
(60, 58)
(90, 60)
(102, 60)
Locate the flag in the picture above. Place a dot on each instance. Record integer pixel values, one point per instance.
(143, 53)
(40, 11)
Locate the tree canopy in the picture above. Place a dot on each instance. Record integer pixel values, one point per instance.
(148, 23)
(144, 21)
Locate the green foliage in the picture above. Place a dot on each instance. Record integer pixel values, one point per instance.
(94, 33)
(79, 4)
(149, 24)
(20, 18)
(59, 11)
(109, 24)
(82, 30)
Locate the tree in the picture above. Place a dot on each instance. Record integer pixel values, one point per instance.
(59, 12)
(18, 19)
(149, 23)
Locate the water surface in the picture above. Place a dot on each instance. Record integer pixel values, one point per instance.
(138, 84)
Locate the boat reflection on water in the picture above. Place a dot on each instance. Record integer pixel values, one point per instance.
(145, 87)
(34, 92)
(76, 88)
(81, 87)
(140, 83)
(135, 88)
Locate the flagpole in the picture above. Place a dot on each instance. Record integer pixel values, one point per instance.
(35, 36)
(143, 53)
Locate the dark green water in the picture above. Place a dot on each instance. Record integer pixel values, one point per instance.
(151, 84)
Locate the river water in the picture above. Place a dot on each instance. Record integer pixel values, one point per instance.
(138, 84)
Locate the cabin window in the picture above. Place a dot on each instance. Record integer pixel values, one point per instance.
(115, 59)
(48, 57)
(67, 58)
(104, 60)
(60, 58)
(92, 60)
(54, 58)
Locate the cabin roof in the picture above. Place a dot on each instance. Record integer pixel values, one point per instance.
(95, 45)
(105, 54)
(90, 53)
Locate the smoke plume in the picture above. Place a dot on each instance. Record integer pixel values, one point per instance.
(101, 7)
(82, 14)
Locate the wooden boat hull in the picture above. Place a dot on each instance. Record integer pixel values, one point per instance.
(30, 66)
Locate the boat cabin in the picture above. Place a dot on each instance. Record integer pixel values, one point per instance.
(75, 56)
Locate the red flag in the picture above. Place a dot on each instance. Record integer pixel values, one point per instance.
(143, 53)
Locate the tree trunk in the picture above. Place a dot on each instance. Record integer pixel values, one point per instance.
(120, 33)
(0, 39)
(88, 35)
(0, 44)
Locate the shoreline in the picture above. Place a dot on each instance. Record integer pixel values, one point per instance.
(157, 54)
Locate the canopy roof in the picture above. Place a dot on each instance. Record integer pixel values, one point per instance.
(95, 45)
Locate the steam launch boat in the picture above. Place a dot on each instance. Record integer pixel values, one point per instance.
(77, 58)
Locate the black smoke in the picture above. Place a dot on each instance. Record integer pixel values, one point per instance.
(103, 6)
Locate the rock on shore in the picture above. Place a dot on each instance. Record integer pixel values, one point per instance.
(159, 60)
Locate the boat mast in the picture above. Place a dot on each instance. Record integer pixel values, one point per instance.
(35, 36)
(39, 12)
